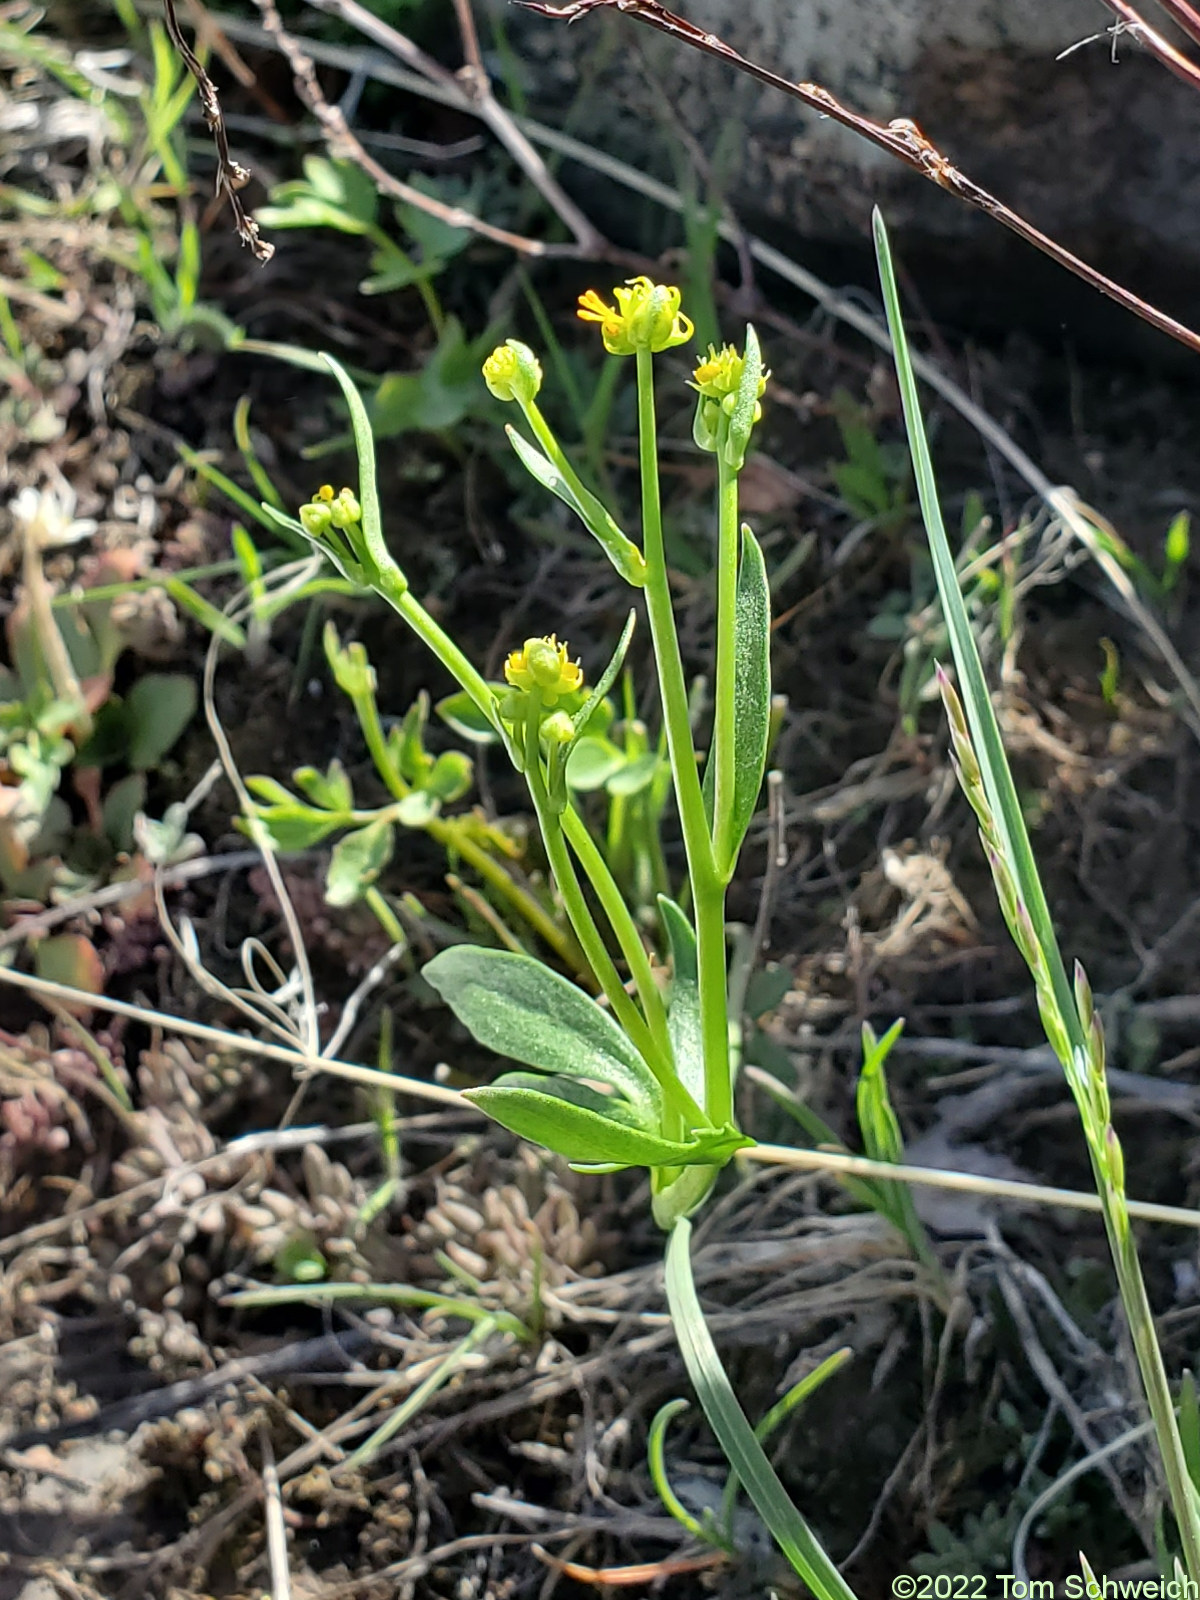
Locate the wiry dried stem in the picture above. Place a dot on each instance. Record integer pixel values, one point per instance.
(1158, 46)
(343, 144)
(231, 176)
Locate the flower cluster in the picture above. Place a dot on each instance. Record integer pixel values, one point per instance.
(724, 416)
(645, 317)
(720, 373)
(543, 665)
(326, 510)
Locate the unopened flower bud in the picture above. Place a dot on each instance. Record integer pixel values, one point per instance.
(558, 728)
(345, 511)
(513, 372)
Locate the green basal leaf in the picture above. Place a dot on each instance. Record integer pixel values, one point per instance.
(294, 827)
(593, 1138)
(157, 709)
(634, 776)
(752, 691)
(459, 712)
(418, 809)
(451, 776)
(683, 1002)
(408, 741)
(593, 762)
(329, 789)
(519, 1008)
(621, 551)
(357, 861)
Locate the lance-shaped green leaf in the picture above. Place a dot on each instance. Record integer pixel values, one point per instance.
(607, 678)
(752, 699)
(745, 404)
(683, 1005)
(371, 551)
(519, 1008)
(620, 550)
(588, 1130)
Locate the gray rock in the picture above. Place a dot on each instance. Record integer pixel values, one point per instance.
(1104, 157)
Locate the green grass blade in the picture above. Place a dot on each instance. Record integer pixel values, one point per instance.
(985, 732)
(735, 1435)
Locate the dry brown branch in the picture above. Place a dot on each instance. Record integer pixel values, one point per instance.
(1159, 47)
(1184, 15)
(344, 145)
(472, 85)
(231, 176)
(901, 138)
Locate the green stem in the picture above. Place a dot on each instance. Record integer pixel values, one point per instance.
(580, 916)
(1150, 1364)
(591, 859)
(723, 752)
(672, 684)
(708, 890)
(384, 915)
(709, 907)
(451, 657)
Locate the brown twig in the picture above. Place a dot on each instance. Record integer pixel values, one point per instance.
(1185, 17)
(901, 138)
(1159, 47)
(231, 176)
(343, 144)
(473, 85)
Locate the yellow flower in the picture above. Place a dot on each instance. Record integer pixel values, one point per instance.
(645, 317)
(720, 373)
(513, 372)
(542, 664)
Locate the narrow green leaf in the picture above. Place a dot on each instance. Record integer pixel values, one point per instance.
(205, 613)
(547, 1118)
(620, 550)
(752, 692)
(378, 559)
(734, 1434)
(985, 732)
(519, 1008)
(233, 491)
(607, 678)
(745, 403)
(683, 1004)
(578, 1092)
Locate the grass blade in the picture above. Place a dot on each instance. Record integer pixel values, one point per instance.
(736, 1437)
